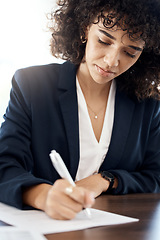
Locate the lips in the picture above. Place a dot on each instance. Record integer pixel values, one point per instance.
(103, 72)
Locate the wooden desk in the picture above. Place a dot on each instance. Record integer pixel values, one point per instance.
(146, 207)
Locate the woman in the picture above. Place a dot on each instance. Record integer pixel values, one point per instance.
(99, 110)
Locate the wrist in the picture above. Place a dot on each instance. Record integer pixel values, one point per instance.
(35, 196)
(103, 183)
(110, 179)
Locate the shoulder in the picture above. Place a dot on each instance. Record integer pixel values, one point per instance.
(149, 112)
(42, 76)
(36, 84)
(37, 72)
(40, 71)
(148, 103)
(143, 110)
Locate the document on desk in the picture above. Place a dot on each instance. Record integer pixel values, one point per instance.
(12, 233)
(35, 220)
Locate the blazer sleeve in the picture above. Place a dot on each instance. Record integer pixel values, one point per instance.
(16, 161)
(146, 177)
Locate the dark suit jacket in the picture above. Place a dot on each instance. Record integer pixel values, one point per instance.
(42, 115)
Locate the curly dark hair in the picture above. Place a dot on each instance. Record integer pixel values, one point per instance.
(72, 17)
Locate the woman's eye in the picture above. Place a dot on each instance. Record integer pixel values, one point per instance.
(102, 42)
(130, 55)
(108, 43)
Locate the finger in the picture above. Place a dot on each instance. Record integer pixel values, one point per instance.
(61, 212)
(69, 190)
(89, 199)
(68, 201)
(74, 192)
(60, 197)
(81, 195)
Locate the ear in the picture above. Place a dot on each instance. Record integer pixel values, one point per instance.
(86, 32)
(84, 35)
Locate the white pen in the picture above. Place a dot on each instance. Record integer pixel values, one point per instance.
(63, 172)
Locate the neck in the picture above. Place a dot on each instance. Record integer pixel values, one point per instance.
(90, 88)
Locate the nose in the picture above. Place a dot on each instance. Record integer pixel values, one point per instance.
(112, 58)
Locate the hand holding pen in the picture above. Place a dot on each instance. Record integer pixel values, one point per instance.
(75, 193)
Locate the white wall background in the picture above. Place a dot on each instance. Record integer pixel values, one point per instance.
(24, 40)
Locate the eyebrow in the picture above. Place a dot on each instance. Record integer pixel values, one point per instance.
(136, 48)
(113, 38)
(107, 34)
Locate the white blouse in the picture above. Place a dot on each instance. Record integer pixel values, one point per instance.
(92, 152)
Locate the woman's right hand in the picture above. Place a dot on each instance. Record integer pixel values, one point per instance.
(65, 201)
(60, 201)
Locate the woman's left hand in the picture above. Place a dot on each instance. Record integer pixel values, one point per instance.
(94, 183)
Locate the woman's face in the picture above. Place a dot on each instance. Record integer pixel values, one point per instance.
(109, 53)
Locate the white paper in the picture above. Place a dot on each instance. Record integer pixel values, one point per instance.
(35, 220)
(12, 233)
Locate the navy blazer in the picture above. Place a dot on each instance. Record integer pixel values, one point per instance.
(43, 115)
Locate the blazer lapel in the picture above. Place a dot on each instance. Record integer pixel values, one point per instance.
(68, 105)
(124, 108)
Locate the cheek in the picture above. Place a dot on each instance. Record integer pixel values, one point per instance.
(89, 52)
(93, 50)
